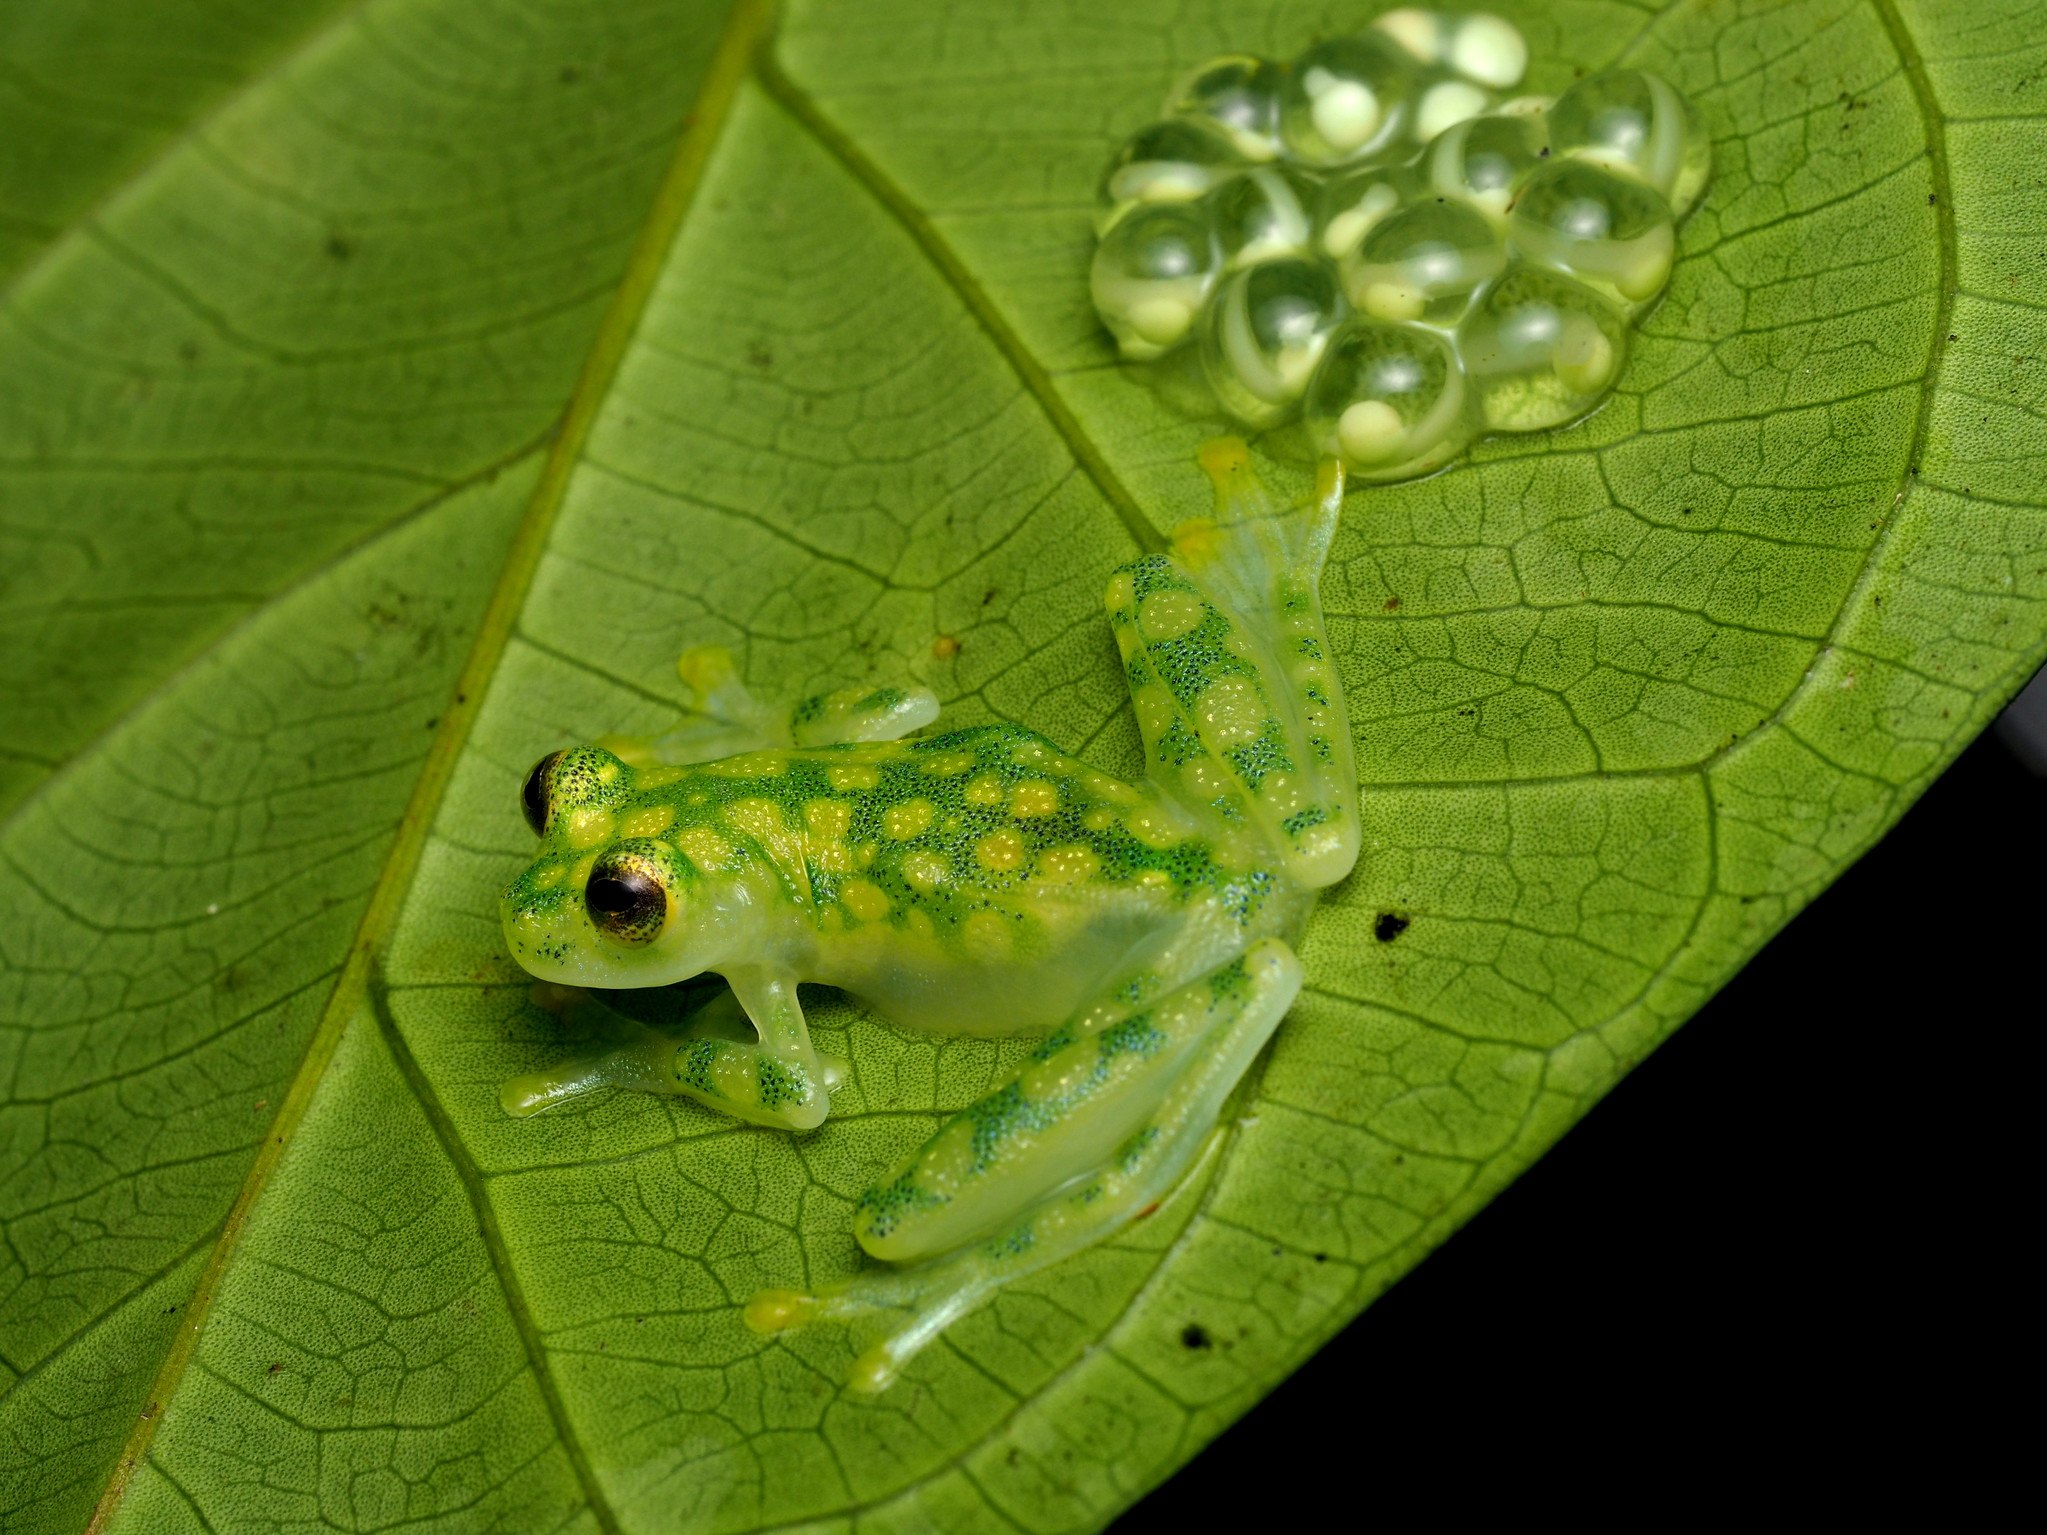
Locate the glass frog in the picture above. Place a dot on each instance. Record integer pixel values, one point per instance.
(977, 881)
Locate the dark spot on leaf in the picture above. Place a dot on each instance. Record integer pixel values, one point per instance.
(569, 74)
(1195, 1336)
(1321, 1257)
(339, 248)
(1392, 603)
(1389, 926)
(275, 1368)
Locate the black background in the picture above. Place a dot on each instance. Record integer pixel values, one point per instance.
(1772, 1257)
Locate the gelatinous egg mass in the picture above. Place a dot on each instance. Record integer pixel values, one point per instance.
(1369, 239)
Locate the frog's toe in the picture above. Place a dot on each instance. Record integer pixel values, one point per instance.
(776, 1311)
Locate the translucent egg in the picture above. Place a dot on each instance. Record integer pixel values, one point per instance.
(1540, 350)
(1424, 263)
(1176, 161)
(1240, 94)
(1484, 161)
(1258, 216)
(1443, 106)
(1483, 48)
(1151, 275)
(1345, 98)
(1266, 330)
(1388, 399)
(1635, 122)
(1611, 231)
(1353, 201)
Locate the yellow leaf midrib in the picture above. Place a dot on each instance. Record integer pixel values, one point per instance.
(745, 31)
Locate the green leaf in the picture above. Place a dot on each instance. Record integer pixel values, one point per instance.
(394, 387)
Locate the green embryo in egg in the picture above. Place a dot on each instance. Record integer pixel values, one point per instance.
(1369, 240)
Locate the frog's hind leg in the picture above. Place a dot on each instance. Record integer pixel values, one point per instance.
(1230, 670)
(1093, 1132)
(724, 719)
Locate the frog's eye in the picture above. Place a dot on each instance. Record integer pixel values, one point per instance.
(533, 793)
(627, 896)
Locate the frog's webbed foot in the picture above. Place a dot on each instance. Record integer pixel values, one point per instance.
(1091, 1133)
(716, 1059)
(723, 719)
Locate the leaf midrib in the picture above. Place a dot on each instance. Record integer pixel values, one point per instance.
(746, 30)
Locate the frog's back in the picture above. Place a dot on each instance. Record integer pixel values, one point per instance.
(927, 833)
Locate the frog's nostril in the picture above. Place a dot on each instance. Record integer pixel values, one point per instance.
(626, 899)
(533, 794)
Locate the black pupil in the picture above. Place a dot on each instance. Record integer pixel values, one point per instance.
(612, 895)
(533, 795)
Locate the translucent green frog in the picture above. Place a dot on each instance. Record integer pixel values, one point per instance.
(982, 882)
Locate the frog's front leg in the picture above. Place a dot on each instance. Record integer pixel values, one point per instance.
(1092, 1132)
(774, 1079)
(724, 719)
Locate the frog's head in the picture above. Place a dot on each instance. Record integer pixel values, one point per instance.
(607, 902)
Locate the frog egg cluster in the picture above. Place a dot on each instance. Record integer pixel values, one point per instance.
(1370, 237)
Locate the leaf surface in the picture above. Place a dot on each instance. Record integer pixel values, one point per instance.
(396, 386)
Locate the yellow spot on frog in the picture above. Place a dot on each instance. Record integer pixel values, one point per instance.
(1153, 829)
(849, 776)
(983, 789)
(1230, 713)
(925, 871)
(827, 817)
(767, 764)
(648, 821)
(587, 828)
(1121, 593)
(1168, 615)
(863, 900)
(1113, 791)
(1000, 851)
(909, 819)
(658, 777)
(1033, 797)
(1154, 706)
(1101, 818)
(1069, 865)
(760, 819)
(705, 848)
(947, 764)
(825, 824)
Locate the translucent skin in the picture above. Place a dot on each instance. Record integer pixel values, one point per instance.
(980, 882)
